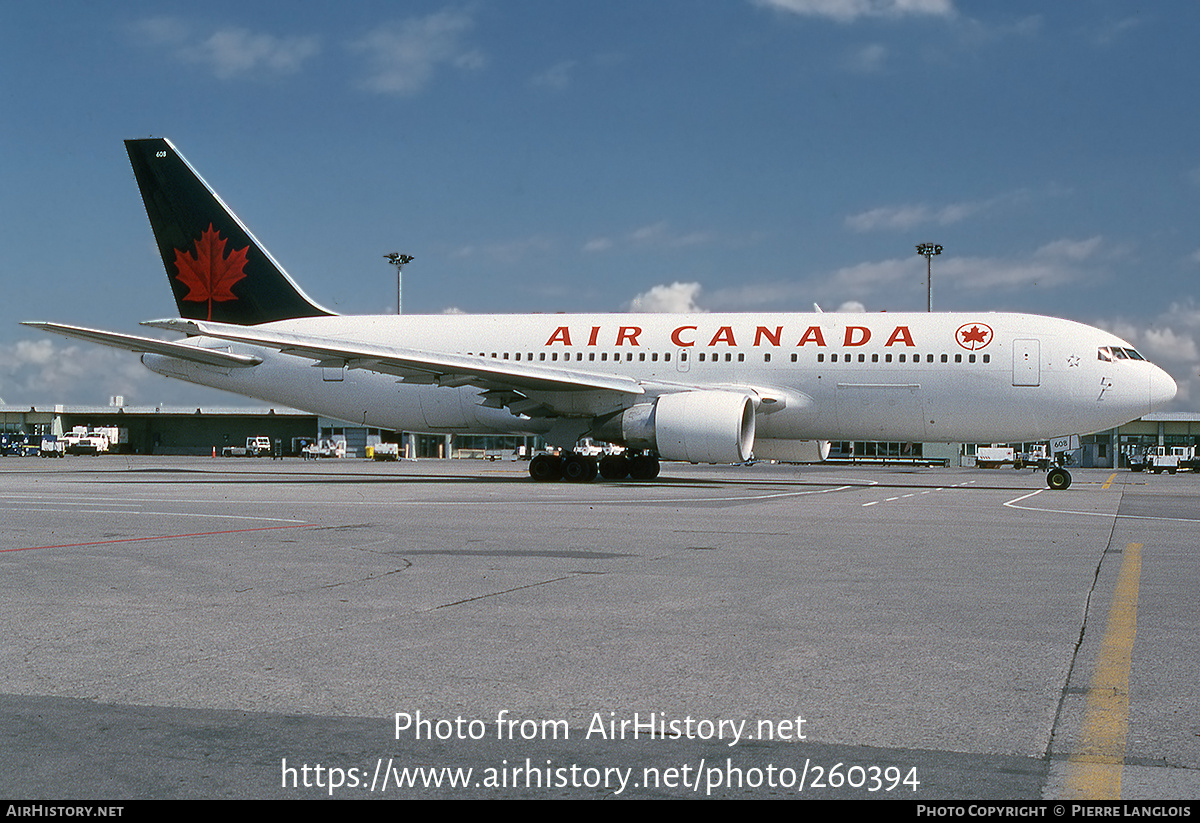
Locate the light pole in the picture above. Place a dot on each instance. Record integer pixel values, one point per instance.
(398, 260)
(928, 251)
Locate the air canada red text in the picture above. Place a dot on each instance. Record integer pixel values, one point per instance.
(758, 336)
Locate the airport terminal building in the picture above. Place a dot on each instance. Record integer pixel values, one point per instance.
(173, 430)
(166, 430)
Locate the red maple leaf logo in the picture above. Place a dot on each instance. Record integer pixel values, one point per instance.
(209, 274)
(974, 336)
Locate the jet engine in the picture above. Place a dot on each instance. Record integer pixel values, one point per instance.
(696, 426)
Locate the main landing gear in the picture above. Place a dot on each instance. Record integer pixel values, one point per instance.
(576, 468)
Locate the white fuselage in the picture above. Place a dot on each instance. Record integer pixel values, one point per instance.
(962, 377)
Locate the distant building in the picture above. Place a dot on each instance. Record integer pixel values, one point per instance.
(197, 431)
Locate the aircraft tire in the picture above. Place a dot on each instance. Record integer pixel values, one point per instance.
(614, 467)
(578, 469)
(546, 467)
(643, 467)
(1058, 479)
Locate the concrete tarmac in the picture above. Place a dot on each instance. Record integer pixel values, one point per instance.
(248, 628)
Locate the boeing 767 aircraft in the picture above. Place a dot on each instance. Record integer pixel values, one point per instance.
(705, 388)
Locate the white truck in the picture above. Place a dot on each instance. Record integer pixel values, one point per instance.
(324, 448)
(52, 446)
(389, 452)
(255, 447)
(1159, 459)
(993, 457)
(81, 441)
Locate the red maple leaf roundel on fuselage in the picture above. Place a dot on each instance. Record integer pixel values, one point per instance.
(973, 336)
(208, 273)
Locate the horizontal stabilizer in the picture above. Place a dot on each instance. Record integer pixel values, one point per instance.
(143, 345)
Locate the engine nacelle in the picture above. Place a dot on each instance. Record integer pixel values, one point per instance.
(696, 426)
(791, 451)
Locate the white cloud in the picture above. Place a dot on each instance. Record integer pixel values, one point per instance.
(847, 11)
(556, 78)
(889, 217)
(1055, 264)
(44, 371)
(1170, 345)
(990, 273)
(1111, 30)
(655, 235)
(868, 59)
(506, 251)
(659, 234)
(1170, 340)
(910, 215)
(649, 233)
(677, 298)
(232, 52)
(758, 295)
(404, 56)
(1070, 249)
(514, 251)
(870, 278)
(229, 52)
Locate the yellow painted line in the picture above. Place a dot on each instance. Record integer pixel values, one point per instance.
(1094, 771)
(1108, 482)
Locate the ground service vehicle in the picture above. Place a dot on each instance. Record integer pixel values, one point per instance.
(255, 447)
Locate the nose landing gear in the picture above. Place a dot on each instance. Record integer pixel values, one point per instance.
(1058, 478)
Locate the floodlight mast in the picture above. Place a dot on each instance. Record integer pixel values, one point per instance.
(928, 251)
(398, 260)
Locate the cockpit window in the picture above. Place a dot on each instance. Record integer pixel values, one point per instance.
(1111, 353)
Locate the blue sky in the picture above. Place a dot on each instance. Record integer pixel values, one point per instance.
(547, 156)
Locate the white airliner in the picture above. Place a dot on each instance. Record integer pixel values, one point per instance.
(705, 388)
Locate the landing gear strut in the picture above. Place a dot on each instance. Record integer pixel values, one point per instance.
(1058, 478)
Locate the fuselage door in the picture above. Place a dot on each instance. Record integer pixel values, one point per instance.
(681, 360)
(1027, 365)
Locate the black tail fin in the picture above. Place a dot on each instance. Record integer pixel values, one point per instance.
(217, 269)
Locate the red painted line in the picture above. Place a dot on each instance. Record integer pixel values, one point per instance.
(156, 537)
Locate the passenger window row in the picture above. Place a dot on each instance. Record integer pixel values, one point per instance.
(902, 358)
(715, 357)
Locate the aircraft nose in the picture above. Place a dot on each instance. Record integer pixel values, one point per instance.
(1162, 388)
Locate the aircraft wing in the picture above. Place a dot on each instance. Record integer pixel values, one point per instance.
(413, 365)
(142, 345)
